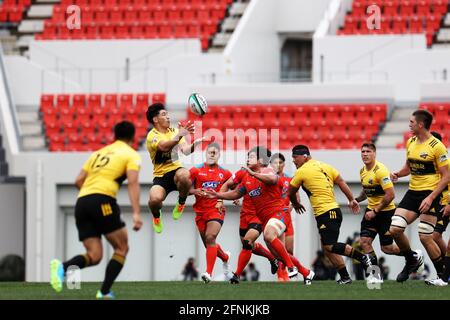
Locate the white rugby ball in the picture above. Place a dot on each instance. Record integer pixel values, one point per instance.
(198, 104)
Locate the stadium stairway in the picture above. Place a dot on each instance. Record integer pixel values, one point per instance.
(33, 138)
(392, 133)
(229, 24)
(443, 36)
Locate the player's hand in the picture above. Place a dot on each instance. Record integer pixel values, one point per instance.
(199, 192)
(394, 176)
(425, 205)
(299, 208)
(185, 128)
(369, 215)
(210, 194)
(220, 206)
(237, 202)
(446, 210)
(250, 172)
(137, 221)
(354, 206)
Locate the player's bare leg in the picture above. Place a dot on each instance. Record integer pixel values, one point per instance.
(426, 229)
(414, 259)
(275, 239)
(183, 182)
(248, 243)
(259, 249)
(119, 241)
(156, 197)
(209, 238)
(437, 237)
(339, 264)
(93, 255)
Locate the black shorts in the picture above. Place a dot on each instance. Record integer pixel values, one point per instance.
(442, 222)
(381, 223)
(329, 224)
(256, 226)
(412, 200)
(167, 181)
(97, 214)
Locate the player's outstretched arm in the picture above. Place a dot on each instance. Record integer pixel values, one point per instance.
(134, 192)
(80, 178)
(229, 184)
(403, 172)
(352, 203)
(266, 176)
(229, 195)
(183, 130)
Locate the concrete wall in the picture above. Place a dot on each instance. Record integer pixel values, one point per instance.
(254, 47)
(299, 15)
(12, 219)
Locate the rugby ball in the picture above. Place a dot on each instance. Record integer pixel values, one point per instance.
(198, 104)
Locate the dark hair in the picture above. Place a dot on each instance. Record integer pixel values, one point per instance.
(369, 145)
(425, 117)
(154, 110)
(262, 153)
(300, 150)
(124, 131)
(277, 156)
(213, 145)
(437, 135)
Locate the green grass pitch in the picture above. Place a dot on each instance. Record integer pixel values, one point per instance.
(178, 290)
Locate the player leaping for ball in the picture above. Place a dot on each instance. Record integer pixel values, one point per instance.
(163, 144)
(264, 188)
(209, 220)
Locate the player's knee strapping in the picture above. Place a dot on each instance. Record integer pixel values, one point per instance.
(338, 248)
(425, 228)
(246, 245)
(399, 222)
(277, 225)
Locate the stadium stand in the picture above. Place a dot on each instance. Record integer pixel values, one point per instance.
(81, 122)
(12, 10)
(398, 17)
(441, 121)
(331, 126)
(139, 19)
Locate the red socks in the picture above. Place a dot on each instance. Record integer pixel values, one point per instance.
(279, 248)
(221, 254)
(304, 271)
(244, 258)
(211, 254)
(260, 250)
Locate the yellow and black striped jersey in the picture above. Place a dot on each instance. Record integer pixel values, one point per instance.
(107, 168)
(374, 182)
(424, 160)
(317, 180)
(163, 162)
